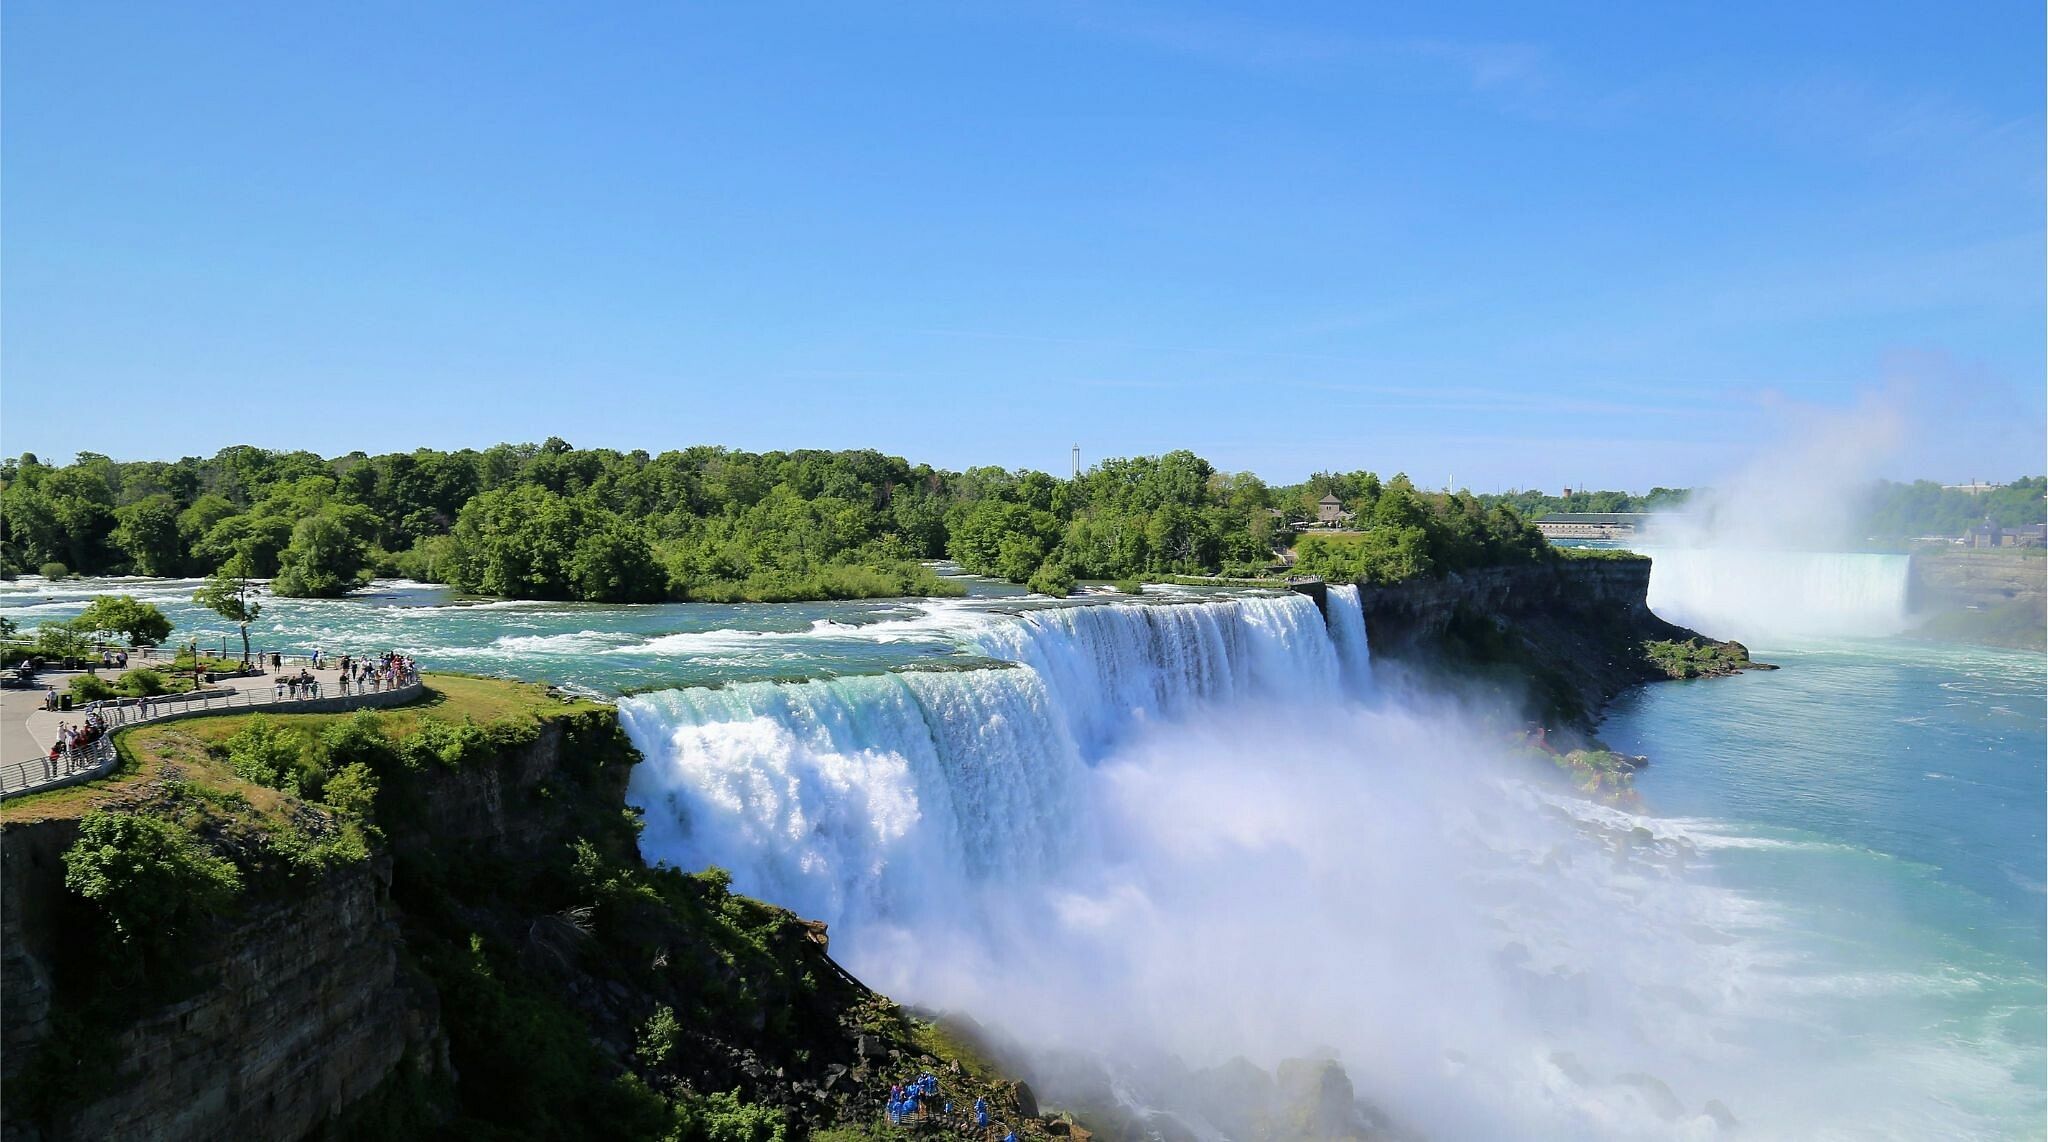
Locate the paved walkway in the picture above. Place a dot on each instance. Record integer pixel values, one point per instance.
(27, 730)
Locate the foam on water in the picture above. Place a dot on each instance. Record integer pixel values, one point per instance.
(1169, 825)
(1166, 829)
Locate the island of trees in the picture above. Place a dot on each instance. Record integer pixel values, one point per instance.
(551, 521)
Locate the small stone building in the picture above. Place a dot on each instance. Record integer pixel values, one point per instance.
(1329, 511)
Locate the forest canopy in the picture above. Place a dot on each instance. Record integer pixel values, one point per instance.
(551, 521)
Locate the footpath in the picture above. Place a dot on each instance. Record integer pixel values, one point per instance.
(28, 730)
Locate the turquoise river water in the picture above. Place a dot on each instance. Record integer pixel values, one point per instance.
(1172, 830)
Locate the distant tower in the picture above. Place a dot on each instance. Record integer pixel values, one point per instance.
(1567, 492)
(1077, 461)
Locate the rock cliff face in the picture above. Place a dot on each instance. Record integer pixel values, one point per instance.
(306, 1009)
(1995, 597)
(299, 1009)
(1560, 639)
(503, 964)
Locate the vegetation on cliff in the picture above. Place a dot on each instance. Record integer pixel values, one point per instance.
(579, 993)
(1697, 657)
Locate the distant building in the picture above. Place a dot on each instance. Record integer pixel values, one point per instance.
(1973, 488)
(1986, 534)
(1989, 534)
(1330, 511)
(1592, 525)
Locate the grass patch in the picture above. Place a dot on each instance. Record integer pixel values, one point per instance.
(1610, 554)
(942, 1040)
(191, 744)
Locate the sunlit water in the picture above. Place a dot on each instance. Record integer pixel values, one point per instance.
(1886, 797)
(1188, 825)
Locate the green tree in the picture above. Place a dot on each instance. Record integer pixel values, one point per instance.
(516, 542)
(229, 594)
(323, 561)
(141, 622)
(153, 879)
(1054, 578)
(615, 564)
(61, 640)
(148, 531)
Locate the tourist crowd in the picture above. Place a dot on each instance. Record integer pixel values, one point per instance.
(70, 747)
(919, 1101)
(388, 671)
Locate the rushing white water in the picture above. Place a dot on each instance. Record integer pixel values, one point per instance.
(873, 797)
(1347, 628)
(1163, 831)
(1748, 593)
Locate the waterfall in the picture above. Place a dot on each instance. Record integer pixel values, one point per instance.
(1754, 594)
(878, 797)
(1157, 833)
(1347, 629)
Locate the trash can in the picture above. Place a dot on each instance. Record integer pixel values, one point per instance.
(63, 701)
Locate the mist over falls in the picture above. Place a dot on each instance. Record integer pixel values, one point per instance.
(1169, 834)
(1751, 593)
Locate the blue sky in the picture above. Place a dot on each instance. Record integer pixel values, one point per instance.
(1509, 245)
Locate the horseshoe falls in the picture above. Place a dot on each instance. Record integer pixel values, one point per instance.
(1756, 593)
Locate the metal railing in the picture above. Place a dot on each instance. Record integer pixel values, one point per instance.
(97, 757)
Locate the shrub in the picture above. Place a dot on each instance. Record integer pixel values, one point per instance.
(1052, 578)
(442, 742)
(358, 740)
(54, 570)
(658, 1037)
(141, 682)
(723, 1117)
(715, 883)
(263, 753)
(58, 640)
(352, 789)
(90, 688)
(152, 878)
(1131, 586)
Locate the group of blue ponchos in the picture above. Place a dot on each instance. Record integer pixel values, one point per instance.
(905, 1101)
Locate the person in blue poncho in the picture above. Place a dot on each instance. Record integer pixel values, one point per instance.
(981, 1113)
(1010, 1137)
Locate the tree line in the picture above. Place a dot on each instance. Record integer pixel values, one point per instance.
(551, 521)
(1924, 508)
(1882, 511)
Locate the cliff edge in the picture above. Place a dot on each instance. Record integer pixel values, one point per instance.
(428, 922)
(1550, 642)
